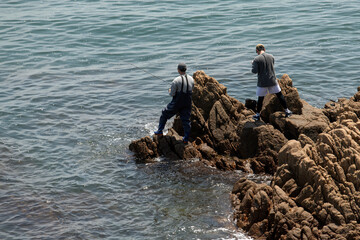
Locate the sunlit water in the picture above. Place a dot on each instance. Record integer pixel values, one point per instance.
(81, 79)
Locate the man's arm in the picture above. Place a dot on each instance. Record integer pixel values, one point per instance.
(254, 67)
(172, 89)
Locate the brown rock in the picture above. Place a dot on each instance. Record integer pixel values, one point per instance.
(224, 124)
(333, 110)
(251, 104)
(261, 143)
(272, 104)
(144, 148)
(206, 92)
(172, 147)
(314, 192)
(311, 122)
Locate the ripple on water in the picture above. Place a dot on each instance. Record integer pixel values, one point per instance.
(81, 79)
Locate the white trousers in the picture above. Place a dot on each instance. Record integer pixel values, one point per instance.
(263, 91)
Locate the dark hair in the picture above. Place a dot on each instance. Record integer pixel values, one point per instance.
(260, 47)
(182, 67)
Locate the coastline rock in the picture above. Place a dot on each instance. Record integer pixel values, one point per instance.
(314, 157)
(261, 143)
(272, 104)
(144, 148)
(311, 123)
(314, 193)
(335, 110)
(172, 147)
(225, 125)
(306, 119)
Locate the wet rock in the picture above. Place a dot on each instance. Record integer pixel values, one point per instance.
(144, 148)
(272, 104)
(335, 110)
(311, 122)
(172, 147)
(314, 156)
(225, 125)
(314, 193)
(251, 104)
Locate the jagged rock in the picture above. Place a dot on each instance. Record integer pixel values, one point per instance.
(224, 124)
(306, 119)
(334, 110)
(315, 190)
(206, 92)
(251, 104)
(172, 147)
(272, 104)
(314, 193)
(261, 142)
(144, 148)
(258, 137)
(311, 122)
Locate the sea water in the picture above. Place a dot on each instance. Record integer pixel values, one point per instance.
(81, 79)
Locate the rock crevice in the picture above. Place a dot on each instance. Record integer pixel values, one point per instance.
(314, 157)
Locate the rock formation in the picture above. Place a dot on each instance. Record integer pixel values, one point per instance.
(314, 157)
(224, 135)
(314, 193)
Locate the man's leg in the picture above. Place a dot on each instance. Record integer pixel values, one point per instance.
(258, 108)
(166, 114)
(185, 114)
(282, 100)
(259, 104)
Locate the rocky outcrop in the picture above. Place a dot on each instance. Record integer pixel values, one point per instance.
(311, 122)
(343, 108)
(223, 133)
(223, 126)
(169, 146)
(314, 193)
(272, 104)
(307, 119)
(314, 157)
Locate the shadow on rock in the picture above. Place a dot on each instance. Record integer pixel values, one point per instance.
(314, 156)
(315, 191)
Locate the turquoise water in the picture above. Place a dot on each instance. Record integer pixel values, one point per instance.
(76, 89)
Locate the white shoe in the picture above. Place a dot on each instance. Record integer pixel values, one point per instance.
(256, 117)
(288, 113)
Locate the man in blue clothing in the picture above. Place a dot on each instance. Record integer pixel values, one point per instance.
(263, 65)
(181, 91)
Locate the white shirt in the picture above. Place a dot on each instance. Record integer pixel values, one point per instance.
(176, 85)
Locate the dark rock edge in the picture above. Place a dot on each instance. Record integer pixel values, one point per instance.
(314, 157)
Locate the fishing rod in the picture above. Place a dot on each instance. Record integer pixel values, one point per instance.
(145, 71)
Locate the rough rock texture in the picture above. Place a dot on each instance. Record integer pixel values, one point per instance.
(225, 126)
(336, 110)
(272, 104)
(144, 148)
(311, 123)
(223, 133)
(307, 119)
(314, 193)
(314, 157)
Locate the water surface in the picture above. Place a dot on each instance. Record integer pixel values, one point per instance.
(76, 89)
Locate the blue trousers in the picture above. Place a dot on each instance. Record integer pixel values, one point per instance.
(173, 108)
